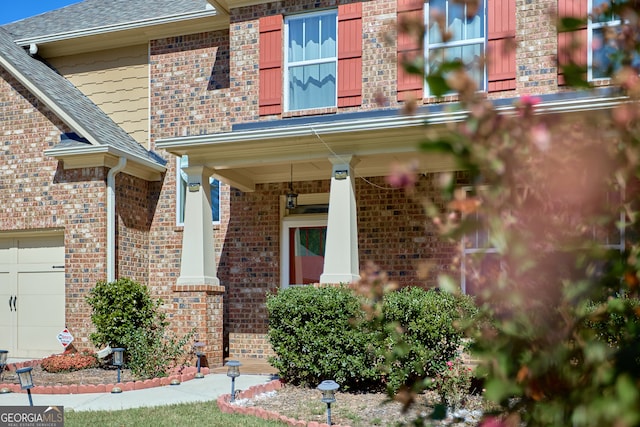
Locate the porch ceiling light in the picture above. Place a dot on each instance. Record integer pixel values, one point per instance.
(292, 197)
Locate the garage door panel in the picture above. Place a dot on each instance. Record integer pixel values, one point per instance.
(32, 273)
(36, 310)
(39, 341)
(41, 283)
(42, 249)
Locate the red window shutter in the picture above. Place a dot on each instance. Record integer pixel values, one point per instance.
(409, 85)
(501, 46)
(350, 55)
(572, 45)
(270, 64)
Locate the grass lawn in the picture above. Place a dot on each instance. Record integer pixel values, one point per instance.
(188, 414)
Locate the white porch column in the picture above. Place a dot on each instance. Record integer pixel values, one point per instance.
(341, 260)
(198, 263)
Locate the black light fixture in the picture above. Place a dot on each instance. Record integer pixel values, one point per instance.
(328, 389)
(118, 361)
(26, 381)
(233, 371)
(3, 361)
(292, 197)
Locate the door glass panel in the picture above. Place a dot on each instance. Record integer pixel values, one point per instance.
(306, 254)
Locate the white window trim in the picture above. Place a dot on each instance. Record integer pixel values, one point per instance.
(467, 42)
(289, 222)
(591, 26)
(288, 64)
(180, 202)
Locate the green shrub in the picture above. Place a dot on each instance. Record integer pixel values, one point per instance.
(125, 315)
(424, 333)
(323, 333)
(119, 309)
(310, 330)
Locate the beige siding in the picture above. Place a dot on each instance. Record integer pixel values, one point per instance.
(117, 80)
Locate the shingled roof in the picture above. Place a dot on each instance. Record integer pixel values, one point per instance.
(100, 13)
(78, 111)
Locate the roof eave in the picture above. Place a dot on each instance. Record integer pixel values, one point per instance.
(103, 30)
(74, 157)
(548, 106)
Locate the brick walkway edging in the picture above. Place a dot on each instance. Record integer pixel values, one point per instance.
(230, 408)
(186, 373)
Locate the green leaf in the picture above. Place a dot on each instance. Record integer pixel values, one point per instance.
(437, 85)
(568, 23)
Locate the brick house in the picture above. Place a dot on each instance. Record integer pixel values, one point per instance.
(160, 140)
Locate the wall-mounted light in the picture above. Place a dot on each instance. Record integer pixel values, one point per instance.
(194, 187)
(292, 197)
(340, 175)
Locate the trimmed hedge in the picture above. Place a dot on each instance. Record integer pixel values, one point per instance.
(321, 333)
(430, 334)
(311, 332)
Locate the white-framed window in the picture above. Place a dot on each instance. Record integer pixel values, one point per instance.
(464, 41)
(182, 180)
(311, 60)
(601, 55)
(478, 244)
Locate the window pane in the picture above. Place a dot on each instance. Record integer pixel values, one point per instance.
(296, 53)
(312, 86)
(456, 21)
(328, 36)
(601, 51)
(182, 192)
(602, 13)
(312, 38)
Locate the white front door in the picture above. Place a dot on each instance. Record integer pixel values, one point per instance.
(32, 294)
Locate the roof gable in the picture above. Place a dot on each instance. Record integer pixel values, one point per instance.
(83, 116)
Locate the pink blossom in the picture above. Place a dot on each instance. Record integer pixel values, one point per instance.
(492, 422)
(529, 101)
(541, 137)
(402, 175)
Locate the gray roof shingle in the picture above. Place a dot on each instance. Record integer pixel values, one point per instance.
(99, 13)
(98, 125)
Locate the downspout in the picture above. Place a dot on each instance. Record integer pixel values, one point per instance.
(111, 218)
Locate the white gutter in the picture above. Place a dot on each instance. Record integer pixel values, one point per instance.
(111, 218)
(94, 31)
(379, 123)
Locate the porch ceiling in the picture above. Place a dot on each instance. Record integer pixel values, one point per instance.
(245, 163)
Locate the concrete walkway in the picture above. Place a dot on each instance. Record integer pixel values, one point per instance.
(208, 389)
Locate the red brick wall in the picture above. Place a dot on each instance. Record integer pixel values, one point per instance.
(37, 193)
(134, 214)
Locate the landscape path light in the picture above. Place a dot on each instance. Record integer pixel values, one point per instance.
(3, 361)
(26, 381)
(118, 361)
(233, 371)
(328, 389)
(198, 348)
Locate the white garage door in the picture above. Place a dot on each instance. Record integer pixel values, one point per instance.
(32, 294)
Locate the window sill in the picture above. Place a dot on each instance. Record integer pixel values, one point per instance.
(310, 112)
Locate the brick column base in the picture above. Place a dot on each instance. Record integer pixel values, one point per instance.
(201, 307)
